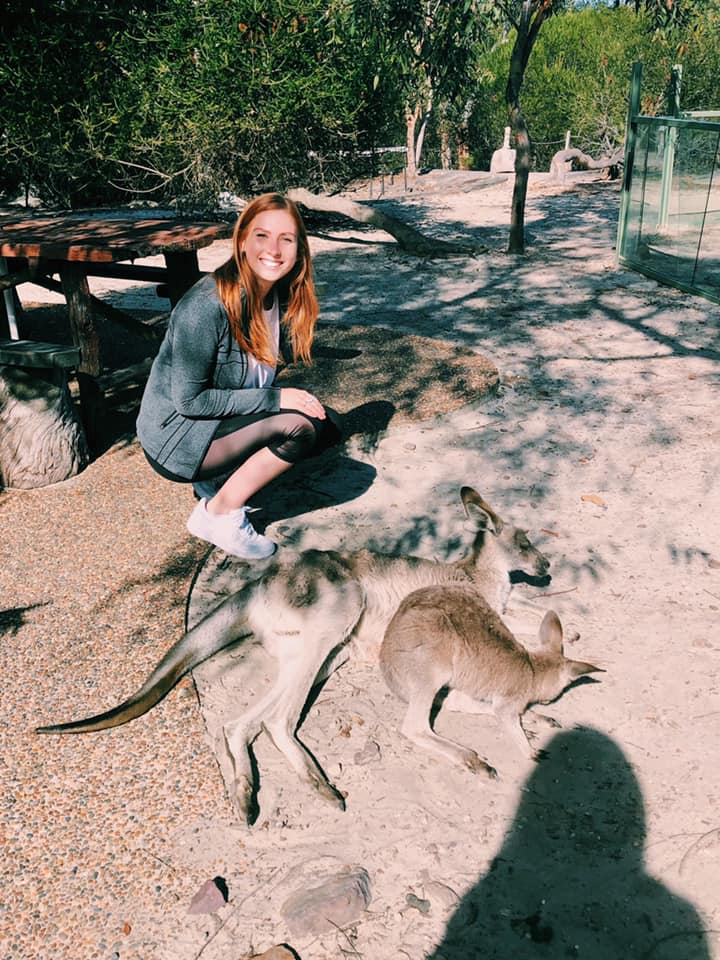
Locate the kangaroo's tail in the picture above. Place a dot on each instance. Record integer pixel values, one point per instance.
(223, 626)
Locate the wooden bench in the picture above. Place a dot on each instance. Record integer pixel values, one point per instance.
(34, 353)
(41, 438)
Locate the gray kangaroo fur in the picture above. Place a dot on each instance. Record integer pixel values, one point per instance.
(310, 611)
(449, 637)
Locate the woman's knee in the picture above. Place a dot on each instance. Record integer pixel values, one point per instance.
(297, 440)
(308, 437)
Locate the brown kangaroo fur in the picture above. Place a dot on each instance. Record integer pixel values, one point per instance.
(311, 611)
(448, 636)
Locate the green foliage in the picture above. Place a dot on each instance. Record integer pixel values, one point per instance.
(241, 97)
(176, 100)
(52, 65)
(578, 79)
(421, 51)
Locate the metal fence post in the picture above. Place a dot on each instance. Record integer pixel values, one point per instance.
(673, 110)
(630, 138)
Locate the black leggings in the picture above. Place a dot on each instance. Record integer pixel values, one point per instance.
(290, 435)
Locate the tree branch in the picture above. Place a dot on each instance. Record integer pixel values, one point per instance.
(410, 239)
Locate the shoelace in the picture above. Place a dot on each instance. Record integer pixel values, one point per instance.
(245, 524)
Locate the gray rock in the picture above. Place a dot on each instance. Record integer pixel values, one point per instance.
(336, 902)
(440, 894)
(422, 905)
(369, 753)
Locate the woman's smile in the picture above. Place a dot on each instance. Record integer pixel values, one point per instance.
(271, 246)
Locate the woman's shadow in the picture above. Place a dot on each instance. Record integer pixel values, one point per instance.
(569, 880)
(332, 478)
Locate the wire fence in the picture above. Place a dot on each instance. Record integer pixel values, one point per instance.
(377, 168)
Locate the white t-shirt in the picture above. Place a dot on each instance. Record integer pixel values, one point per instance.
(262, 374)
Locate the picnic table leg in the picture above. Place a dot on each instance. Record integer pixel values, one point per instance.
(182, 272)
(85, 335)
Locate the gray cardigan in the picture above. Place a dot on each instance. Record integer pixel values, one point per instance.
(196, 380)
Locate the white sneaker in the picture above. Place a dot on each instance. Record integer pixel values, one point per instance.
(232, 532)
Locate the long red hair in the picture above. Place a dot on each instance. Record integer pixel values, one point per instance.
(240, 293)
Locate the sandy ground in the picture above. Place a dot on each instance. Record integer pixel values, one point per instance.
(603, 442)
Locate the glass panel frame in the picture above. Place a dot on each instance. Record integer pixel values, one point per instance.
(670, 227)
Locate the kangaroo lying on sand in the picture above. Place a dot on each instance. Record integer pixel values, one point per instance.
(449, 637)
(306, 609)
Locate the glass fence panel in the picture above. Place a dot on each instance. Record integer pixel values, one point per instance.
(707, 270)
(672, 229)
(636, 195)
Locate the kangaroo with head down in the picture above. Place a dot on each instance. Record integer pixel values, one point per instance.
(311, 611)
(448, 636)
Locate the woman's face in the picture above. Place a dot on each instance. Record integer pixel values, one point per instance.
(270, 247)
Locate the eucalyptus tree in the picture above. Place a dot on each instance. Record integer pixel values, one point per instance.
(527, 18)
(173, 99)
(665, 14)
(423, 51)
(53, 69)
(236, 94)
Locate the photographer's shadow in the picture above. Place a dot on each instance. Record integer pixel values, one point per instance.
(570, 880)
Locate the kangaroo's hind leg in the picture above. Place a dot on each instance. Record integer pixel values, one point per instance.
(301, 656)
(416, 727)
(282, 718)
(237, 738)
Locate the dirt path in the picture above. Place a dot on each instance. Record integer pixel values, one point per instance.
(603, 440)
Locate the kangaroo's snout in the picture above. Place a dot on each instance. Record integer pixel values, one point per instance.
(538, 563)
(540, 578)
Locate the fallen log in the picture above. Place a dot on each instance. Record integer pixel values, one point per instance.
(564, 161)
(408, 238)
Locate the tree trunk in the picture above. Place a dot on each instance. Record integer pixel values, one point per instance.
(41, 440)
(407, 237)
(516, 243)
(411, 119)
(463, 152)
(532, 15)
(445, 149)
(421, 135)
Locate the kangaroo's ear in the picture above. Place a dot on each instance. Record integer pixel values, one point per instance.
(576, 668)
(551, 633)
(479, 511)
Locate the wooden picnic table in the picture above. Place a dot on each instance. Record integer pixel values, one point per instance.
(73, 247)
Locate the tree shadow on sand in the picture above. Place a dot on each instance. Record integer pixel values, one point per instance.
(569, 879)
(330, 479)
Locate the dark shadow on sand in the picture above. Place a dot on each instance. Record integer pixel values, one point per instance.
(570, 879)
(330, 479)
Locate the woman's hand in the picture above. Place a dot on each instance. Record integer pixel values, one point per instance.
(293, 399)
